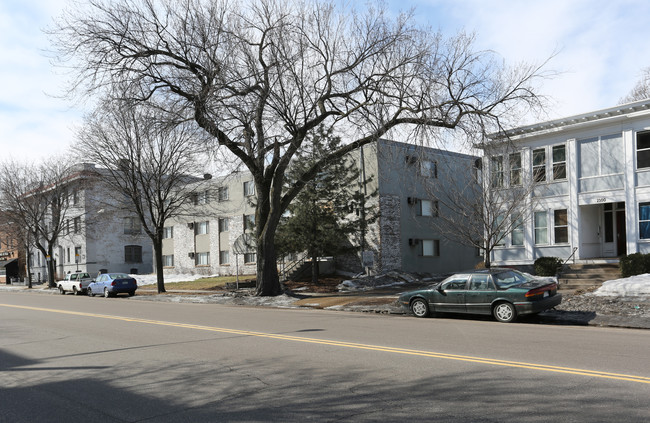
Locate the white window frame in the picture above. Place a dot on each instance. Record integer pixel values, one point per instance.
(557, 227)
(249, 188)
(202, 259)
(202, 228)
(496, 171)
(168, 260)
(540, 168)
(224, 224)
(168, 232)
(224, 257)
(559, 163)
(430, 248)
(537, 228)
(514, 167)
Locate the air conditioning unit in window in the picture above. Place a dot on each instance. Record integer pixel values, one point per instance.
(411, 160)
(190, 225)
(191, 255)
(413, 241)
(411, 200)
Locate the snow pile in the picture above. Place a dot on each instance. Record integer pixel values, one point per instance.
(392, 278)
(634, 286)
(151, 278)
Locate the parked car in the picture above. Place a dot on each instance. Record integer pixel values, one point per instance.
(77, 283)
(111, 284)
(503, 293)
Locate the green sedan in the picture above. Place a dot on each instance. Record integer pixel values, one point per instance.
(503, 293)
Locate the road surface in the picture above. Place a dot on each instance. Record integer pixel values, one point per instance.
(80, 359)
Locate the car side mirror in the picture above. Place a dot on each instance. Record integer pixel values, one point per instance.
(439, 288)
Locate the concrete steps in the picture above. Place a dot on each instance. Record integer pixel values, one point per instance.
(587, 276)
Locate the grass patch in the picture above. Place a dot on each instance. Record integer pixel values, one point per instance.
(214, 283)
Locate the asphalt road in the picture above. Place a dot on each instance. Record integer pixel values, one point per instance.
(80, 359)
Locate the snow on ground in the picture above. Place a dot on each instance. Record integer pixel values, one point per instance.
(151, 279)
(634, 286)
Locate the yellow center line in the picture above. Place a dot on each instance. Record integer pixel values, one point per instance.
(431, 354)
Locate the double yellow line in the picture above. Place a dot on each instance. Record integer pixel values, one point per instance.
(505, 363)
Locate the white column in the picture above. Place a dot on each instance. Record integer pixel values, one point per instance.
(575, 225)
(631, 207)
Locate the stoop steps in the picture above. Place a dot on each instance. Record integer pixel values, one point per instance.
(583, 276)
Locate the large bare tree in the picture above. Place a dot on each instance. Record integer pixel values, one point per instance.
(641, 89)
(146, 163)
(36, 198)
(259, 76)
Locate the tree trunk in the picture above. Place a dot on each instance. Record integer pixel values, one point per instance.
(315, 271)
(50, 268)
(268, 280)
(160, 277)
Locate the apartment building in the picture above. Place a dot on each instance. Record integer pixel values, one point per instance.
(591, 193)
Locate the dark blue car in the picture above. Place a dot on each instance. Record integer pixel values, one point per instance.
(111, 284)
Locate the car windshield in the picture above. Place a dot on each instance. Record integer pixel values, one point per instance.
(508, 279)
(119, 276)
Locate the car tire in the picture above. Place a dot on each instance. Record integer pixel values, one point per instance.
(90, 292)
(75, 291)
(61, 290)
(419, 308)
(131, 293)
(504, 312)
(106, 293)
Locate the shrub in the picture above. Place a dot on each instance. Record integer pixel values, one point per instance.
(635, 264)
(547, 266)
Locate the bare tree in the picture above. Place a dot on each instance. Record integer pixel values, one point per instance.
(641, 90)
(260, 76)
(36, 197)
(146, 164)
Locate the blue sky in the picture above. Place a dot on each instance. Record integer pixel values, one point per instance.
(602, 47)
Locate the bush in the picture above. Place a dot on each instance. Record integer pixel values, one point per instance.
(547, 266)
(635, 264)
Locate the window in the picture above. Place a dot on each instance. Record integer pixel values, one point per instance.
(131, 226)
(541, 228)
(609, 222)
(77, 224)
(77, 254)
(202, 259)
(430, 248)
(224, 257)
(249, 222)
(168, 232)
(201, 198)
(222, 193)
(168, 260)
(496, 167)
(67, 253)
(66, 227)
(499, 233)
(429, 169)
(517, 232)
(644, 220)
(539, 165)
(428, 208)
(75, 197)
(133, 253)
(202, 228)
(602, 155)
(224, 224)
(559, 162)
(455, 282)
(249, 188)
(643, 150)
(561, 226)
(250, 257)
(514, 160)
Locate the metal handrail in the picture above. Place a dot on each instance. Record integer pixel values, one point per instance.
(293, 265)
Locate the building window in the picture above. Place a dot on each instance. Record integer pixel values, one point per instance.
(224, 257)
(560, 221)
(202, 259)
(644, 220)
(249, 188)
(559, 162)
(132, 226)
(168, 232)
(539, 165)
(77, 254)
(514, 160)
(499, 232)
(222, 193)
(429, 169)
(168, 260)
(517, 232)
(202, 228)
(496, 167)
(201, 198)
(133, 253)
(541, 228)
(67, 252)
(430, 248)
(75, 197)
(77, 224)
(224, 224)
(250, 257)
(602, 155)
(428, 208)
(643, 150)
(249, 222)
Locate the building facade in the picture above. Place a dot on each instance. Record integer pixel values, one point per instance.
(95, 236)
(591, 186)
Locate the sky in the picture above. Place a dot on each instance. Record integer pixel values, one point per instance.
(600, 47)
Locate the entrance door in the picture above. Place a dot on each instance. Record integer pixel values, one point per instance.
(614, 242)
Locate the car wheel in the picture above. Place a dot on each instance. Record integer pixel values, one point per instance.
(61, 290)
(75, 291)
(90, 292)
(106, 293)
(504, 312)
(420, 308)
(131, 293)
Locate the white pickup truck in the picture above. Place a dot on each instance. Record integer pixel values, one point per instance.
(77, 283)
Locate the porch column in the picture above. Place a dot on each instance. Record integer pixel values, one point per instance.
(631, 207)
(574, 221)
